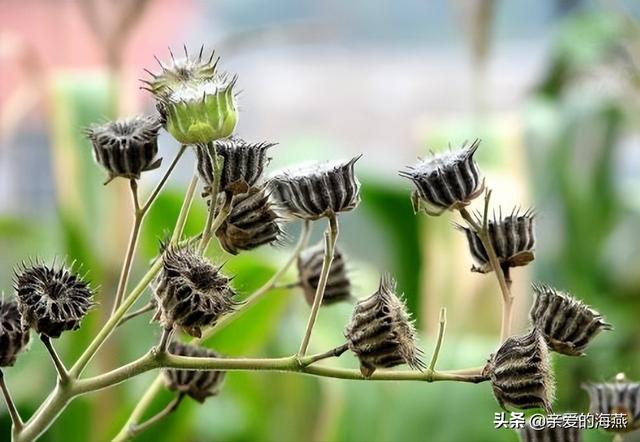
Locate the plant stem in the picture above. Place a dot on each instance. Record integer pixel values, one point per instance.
(63, 374)
(436, 351)
(165, 338)
(333, 353)
(330, 238)
(141, 311)
(170, 408)
(215, 189)
(11, 406)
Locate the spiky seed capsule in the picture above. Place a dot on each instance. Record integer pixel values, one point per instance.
(448, 181)
(567, 324)
(52, 300)
(309, 268)
(620, 397)
(381, 333)
(126, 147)
(317, 190)
(242, 167)
(14, 336)
(520, 373)
(252, 222)
(550, 434)
(199, 384)
(191, 292)
(512, 238)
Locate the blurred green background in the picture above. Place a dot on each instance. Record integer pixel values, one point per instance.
(551, 87)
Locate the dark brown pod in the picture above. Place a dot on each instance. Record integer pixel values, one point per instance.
(381, 333)
(619, 397)
(338, 286)
(550, 434)
(520, 373)
(199, 384)
(14, 336)
(567, 324)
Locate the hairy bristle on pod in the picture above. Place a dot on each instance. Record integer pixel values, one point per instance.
(198, 384)
(567, 324)
(381, 333)
(520, 373)
(251, 223)
(51, 300)
(188, 69)
(126, 148)
(448, 181)
(338, 286)
(14, 335)
(621, 397)
(317, 190)
(191, 292)
(550, 434)
(512, 238)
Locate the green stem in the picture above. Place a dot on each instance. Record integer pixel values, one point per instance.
(63, 374)
(436, 351)
(11, 406)
(215, 190)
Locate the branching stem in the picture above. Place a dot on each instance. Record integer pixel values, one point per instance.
(63, 374)
(170, 408)
(11, 406)
(207, 233)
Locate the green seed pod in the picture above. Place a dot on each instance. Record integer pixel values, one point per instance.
(191, 292)
(381, 333)
(512, 238)
(568, 325)
(52, 300)
(199, 384)
(338, 287)
(520, 373)
(448, 181)
(550, 434)
(621, 397)
(14, 336)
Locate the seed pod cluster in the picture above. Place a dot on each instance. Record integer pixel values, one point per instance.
(520, 373)
(127, 147)
(620, 397)
(512, 238)
(381, 333)
(14, 336)
(52, 300)
(567, 324)
(243, 163)
(191, 292)
(338, 286)
(317, 190)
(550, 434)
(252, 222)
(198, 384)
(448, 181)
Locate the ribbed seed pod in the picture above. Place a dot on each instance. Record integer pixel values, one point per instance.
(512, 238)
(550, 434)
(127, 147)
(620, 397)
(381, 333)
(243, 165)
(199, 384)
(568, 325)
(450, 180)
(252, 222)
(309, 268)
(520, 373)
(52, 300)
(317, 190)
(191, 292)
(14, 336)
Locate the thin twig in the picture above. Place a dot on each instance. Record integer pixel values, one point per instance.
(141, 311)
(170, 408)
(156, 191)
(330, 238)
(288, 286)
(333, 353)
(441, 328)
(165, 338)
(217, 160)
(11, 406)
(63, 374)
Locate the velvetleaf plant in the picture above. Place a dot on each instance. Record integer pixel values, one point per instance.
(192, 298)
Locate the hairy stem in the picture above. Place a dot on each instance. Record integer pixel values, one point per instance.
(330, 238)
(63, 374)
(11, 406)
(441, 328)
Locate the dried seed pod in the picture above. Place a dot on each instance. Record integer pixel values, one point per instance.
(252, 222)
(512, 238)
(317, 190)
(567, 324)
(309, 268)
(448, 181)
(243, 163)
(127, 147)
(191, 292)
(620, 397)
(550, 434)
(199, 384)
(14, 336)
(52, 300)
(381, 333)
(520, 373)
